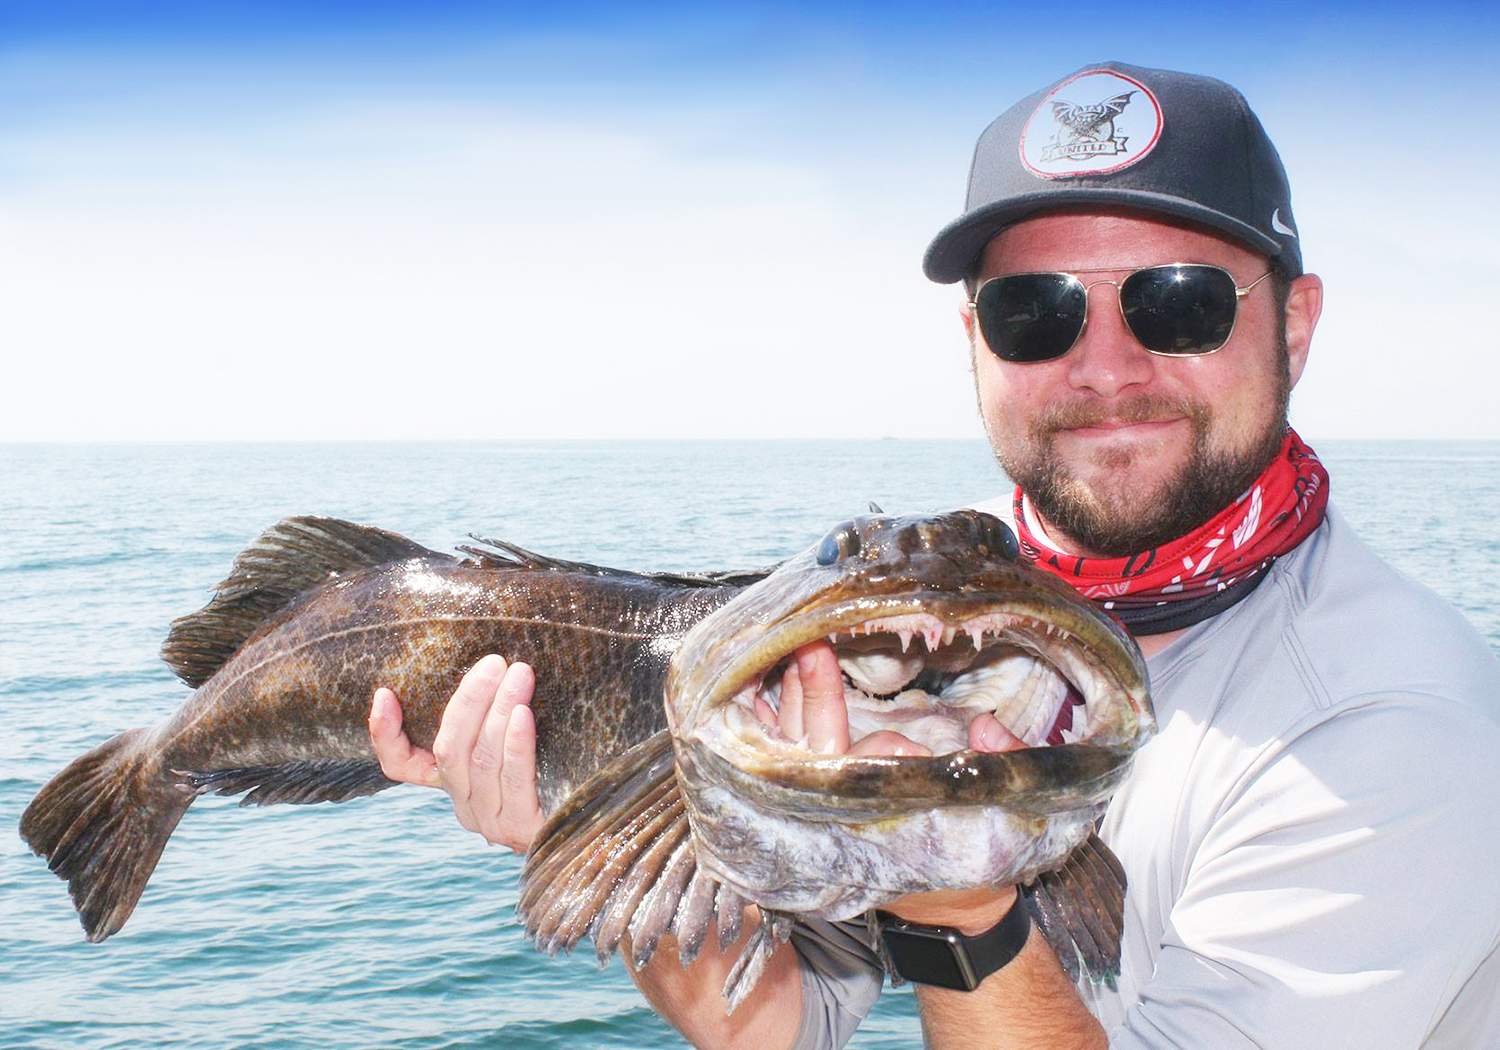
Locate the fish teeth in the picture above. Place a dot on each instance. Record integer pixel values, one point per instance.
(976, 634)
(948, 635)
(905, 639)
(933, 636)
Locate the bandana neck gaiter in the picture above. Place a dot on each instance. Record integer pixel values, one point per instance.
(1203, 573)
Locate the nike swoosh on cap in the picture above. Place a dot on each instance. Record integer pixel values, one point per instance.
(1279, 226)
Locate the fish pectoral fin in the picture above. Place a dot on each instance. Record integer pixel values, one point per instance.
(617, 858)
(1080, 909)
(286, 561)
(325, 780)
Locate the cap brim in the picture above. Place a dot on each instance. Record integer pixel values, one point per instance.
(954, 253)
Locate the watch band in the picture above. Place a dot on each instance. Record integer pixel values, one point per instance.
(946, 958)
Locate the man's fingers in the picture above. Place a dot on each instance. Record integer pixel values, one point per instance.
(988, 733)
(398, 759)
(887, 742)
(824, 714)
(790, 704)
(487, 760)
(463, 719)
(766, 714)
(521, 816)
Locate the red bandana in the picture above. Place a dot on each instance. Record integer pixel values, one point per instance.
(1206, 571)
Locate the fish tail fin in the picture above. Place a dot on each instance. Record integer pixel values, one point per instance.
(101, 824)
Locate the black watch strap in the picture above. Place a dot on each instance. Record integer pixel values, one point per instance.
(942, 956)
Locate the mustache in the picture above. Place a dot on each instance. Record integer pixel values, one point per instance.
(1138, 408)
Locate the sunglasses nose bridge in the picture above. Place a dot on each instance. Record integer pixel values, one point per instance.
(1114, 358)
(1088, 305)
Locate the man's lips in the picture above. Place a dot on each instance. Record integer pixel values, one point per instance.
(1121, 428)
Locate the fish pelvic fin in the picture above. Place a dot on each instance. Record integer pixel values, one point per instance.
(1080, 909)
(286, 561)
(617, 863)
(101, 824)
(323, 780)
(774, 929)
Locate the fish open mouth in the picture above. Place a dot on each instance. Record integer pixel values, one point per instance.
(928, 677)
(927, 680)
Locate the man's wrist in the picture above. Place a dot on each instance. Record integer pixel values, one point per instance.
(971, 912)
(948, 957)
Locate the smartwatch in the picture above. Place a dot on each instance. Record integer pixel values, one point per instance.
(946, 958)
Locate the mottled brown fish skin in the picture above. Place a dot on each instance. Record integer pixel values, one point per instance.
(316, 615)
(300, 690)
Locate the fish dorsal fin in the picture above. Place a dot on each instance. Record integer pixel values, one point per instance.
(502, 554)
(286, 561)
(1080, 908)
(618, 857)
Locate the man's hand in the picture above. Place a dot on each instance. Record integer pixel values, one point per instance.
(484, 755)
(1027, 1004)
(812, 704)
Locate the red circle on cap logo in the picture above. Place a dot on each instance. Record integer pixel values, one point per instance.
(1093, 123)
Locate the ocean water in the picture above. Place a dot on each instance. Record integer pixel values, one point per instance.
(380, 922)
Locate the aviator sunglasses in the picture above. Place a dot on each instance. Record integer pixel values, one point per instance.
(1176, 309)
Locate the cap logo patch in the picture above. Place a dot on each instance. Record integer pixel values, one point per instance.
(1093, 123)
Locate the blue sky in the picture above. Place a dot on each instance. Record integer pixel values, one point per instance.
(477, 220)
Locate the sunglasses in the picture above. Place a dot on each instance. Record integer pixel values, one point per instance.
(1177, 309)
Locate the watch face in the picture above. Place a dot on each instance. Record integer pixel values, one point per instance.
(929, 956)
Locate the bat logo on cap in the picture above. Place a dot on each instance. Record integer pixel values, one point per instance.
(1069, 135)
(1087, 131)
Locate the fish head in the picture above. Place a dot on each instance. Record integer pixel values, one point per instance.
(934, 621)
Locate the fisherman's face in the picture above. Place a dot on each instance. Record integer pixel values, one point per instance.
(1120, 449)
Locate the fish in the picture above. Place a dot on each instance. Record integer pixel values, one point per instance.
(671, 807)
(934, 621)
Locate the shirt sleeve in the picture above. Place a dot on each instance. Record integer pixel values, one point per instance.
(1336, 898)
(841, 980)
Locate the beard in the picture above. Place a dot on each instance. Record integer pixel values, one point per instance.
(1113, 524)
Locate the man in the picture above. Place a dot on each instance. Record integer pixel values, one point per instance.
(1310, 837)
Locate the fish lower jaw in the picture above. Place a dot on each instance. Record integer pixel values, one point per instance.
(840, 870)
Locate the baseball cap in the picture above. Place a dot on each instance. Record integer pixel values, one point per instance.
(1112, 134)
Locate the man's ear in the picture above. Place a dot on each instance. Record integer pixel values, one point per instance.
(966, 314)
(1304, 304)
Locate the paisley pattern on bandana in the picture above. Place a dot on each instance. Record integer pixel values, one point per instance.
(1203, 573)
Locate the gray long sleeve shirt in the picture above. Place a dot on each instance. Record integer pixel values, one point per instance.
(1311, 838)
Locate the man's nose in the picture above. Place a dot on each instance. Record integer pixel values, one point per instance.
(1107, 358)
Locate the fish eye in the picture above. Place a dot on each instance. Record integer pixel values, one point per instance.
(839, 544)
(998, 537)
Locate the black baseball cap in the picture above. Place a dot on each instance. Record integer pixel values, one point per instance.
(1112, 134)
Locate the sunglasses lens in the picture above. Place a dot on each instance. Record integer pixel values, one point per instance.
(1031, 316)
(1186, 309)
